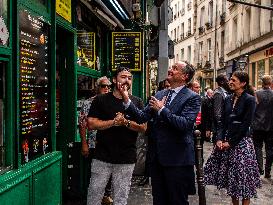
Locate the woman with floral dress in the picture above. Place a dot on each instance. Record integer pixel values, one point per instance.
(232, 164)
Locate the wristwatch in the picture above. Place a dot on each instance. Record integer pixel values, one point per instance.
(128, 123)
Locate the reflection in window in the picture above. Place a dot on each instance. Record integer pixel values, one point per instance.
(2, 96)
(86, 90)
(4, 28)
(261, 72)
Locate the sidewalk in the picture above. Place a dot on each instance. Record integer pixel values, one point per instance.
(143, 195)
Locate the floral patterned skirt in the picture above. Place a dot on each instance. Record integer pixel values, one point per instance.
(235, 170)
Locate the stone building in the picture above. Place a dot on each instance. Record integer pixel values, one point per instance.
(181, 29)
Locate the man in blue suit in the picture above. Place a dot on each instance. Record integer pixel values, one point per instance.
(173, 112)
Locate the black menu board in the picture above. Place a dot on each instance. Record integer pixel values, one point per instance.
(86, 49)
(34, 89)
(127, 50)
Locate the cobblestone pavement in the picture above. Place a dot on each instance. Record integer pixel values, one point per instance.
(143, 196)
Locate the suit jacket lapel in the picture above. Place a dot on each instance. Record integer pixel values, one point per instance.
(179, 98)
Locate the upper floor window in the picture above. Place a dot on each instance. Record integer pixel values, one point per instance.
(189, 26)
(209, 49)
(189, 54)
(200, 52)
(182, 54)
(210, 12)
(234, 32)
(202, 15)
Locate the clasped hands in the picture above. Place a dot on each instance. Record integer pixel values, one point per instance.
(120, 120)
(222, 145)
(154, 103)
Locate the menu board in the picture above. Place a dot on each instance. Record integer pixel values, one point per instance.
(86, 50)
(127, 50)
(34, 89)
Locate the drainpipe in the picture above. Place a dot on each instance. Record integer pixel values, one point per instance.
(215, 43)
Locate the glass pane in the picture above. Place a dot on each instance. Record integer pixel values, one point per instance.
(261, 72)
(34, 86)
(2, 95)
(86, 90)
(4, 23)
(86, 50)
(271, 66)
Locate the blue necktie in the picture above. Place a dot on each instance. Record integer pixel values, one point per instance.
(169, 98)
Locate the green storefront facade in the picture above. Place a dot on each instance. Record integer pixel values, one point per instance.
(51, 53)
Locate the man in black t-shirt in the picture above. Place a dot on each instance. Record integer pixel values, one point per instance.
(116, 142)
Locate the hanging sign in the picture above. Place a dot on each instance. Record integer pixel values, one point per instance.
(63, 8)
(127, 50)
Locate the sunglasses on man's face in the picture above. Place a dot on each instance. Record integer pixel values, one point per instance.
(105, 86)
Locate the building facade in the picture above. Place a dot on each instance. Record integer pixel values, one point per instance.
(181, 30)
(210, 40)
(250, 40)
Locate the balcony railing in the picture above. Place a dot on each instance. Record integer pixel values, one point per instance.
(201, 30)
(208, 25)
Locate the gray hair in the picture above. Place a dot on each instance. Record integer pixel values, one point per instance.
(99, 80)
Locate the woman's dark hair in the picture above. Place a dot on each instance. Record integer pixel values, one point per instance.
(243, 78)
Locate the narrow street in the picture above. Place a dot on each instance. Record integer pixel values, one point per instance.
(143, 195)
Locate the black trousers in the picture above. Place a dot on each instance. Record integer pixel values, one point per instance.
(171, 185)
(266, 137)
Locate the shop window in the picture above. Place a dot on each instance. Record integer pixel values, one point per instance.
(89, 39)
(4, 23)
(86, 49)
(86, 90)
(2, 97)
(260, 72)
(253, 74)
(271, 66)
(33, 86)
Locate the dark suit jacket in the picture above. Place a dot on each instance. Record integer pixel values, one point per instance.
(263, 119)
(218, 109)
(172, 131)
(237, 120)
(206, 114)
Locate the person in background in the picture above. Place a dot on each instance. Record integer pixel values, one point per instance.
(263, 126)
(232, 164)
(207, 116)
(88, 137)
(195, 86)
(164, 84)
(116, 137)
(219, 95)
(173, 112)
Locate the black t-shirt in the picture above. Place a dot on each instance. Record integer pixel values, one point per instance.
(116, 145)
